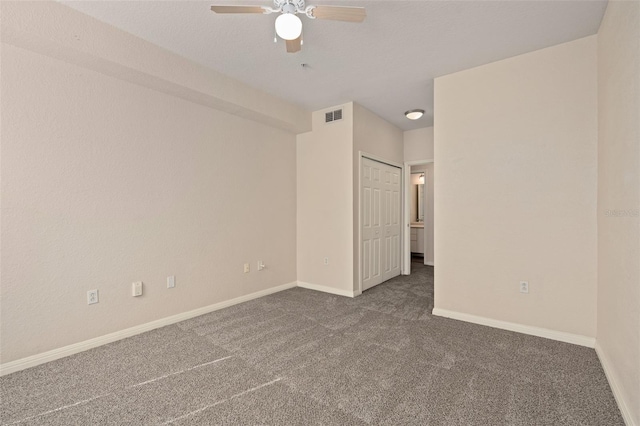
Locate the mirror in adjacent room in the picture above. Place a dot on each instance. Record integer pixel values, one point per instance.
(417, 197)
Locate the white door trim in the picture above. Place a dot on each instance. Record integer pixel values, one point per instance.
(406, 252)
(361, 155)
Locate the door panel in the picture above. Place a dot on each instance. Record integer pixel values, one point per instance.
(376, 276)
(366, 260)
(380, 222)
(366, 200)
(375, 208)
(371, 226)
(392, 229)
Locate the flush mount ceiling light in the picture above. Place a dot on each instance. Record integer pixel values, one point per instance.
(288, 26)
(414, 114)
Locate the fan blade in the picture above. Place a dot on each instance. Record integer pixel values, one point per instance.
(339, 13)
(238, 9)
(294, 46)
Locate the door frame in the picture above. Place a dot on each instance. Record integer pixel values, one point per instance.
(406, 252)
(361, 155)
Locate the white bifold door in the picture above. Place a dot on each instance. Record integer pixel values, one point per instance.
(379, 221)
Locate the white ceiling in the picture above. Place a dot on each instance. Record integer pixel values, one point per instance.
(387, 64)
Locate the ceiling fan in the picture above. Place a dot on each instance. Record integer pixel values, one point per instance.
(289, 25)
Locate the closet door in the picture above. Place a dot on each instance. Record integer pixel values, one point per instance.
(380, 222)
(391, 222)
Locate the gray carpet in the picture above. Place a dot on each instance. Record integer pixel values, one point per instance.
(301, 357)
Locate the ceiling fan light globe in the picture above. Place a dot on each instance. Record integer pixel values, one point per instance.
(288, 26)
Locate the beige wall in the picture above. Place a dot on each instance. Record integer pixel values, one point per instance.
(377, 137)
(418, 144)
(515, 189)
(374, 135)
(429, 222)
(328, 209)
(106, 182)
(618, 338)
(324, 188)
(60, 32)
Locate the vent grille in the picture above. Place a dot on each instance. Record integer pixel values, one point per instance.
(333, 116)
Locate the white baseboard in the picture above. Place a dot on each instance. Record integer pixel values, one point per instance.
(32, 361)
(561, 336)
(428, 263)
(615, 387)
(325, 289)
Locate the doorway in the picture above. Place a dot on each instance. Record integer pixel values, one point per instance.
(419, 214)
(380, 221)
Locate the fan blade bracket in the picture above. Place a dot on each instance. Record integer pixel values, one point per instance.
(309, 12)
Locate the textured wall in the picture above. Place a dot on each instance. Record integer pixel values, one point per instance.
(418, 144)
(325, 196)
(55, 30)
(618, 337)
(105, 182)
(515, 189)
(429, 220)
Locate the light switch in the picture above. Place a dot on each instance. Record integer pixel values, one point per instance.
(136, 289)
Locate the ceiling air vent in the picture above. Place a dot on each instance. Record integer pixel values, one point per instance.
(333, 116)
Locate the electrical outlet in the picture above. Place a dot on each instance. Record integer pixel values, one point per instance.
(524, 286)
(136, 289)
(261, 265)
(92, 297)
(326, 260)
(171, 281)
(247, 268)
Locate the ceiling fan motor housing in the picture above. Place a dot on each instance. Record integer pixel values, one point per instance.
(290, 6)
